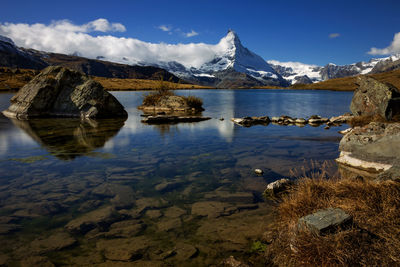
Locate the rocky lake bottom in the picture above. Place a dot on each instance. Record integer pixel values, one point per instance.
(115, 192)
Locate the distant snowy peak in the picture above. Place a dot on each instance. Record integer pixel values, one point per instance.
(296, 72)
(292, 71)
(230, 53)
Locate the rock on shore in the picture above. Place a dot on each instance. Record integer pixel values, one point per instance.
(375, 98)
(60, 92)
(372, 150)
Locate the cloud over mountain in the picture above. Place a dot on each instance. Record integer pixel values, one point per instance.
(393, 48)
(63, 36)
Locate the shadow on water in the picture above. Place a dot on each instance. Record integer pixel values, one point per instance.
(67, 139)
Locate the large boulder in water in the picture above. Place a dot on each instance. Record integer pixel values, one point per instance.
(61, 92)
(375, 98)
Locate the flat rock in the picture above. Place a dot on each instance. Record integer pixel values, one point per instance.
(169, 224)
(372, 148)
(61, 92)
(225, 196)
(124, 249)
(54, 242)
(8, 228)
(210, 209)
(325, 220)
(100, 218)
(174, 212)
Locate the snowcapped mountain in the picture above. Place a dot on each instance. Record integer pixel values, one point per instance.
(229, 57)
(225, 64)
(296, 72)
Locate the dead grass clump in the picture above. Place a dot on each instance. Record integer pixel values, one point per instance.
(364, 120)
(194, 102)
(374, 238)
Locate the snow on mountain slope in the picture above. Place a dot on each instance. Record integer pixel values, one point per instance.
(296, 72)
(230, 53)
(290, 70)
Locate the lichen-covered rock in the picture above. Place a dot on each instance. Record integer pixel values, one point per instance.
(375, 98)
(61, 92)
(325, 220)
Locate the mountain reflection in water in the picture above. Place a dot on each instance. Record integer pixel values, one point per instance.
(70, 138)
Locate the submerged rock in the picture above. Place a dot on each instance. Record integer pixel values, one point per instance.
(160, 119)
(61, 92)
(375, 98)
(325, 220)
(100, 218)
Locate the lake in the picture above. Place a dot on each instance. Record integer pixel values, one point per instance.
(111, 191)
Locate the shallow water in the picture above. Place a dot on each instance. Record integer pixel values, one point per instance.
(183, 194)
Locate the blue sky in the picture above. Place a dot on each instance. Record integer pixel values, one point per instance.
(280, 30)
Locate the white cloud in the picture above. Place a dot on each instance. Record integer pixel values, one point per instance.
(334, 35)
(65, 37)
(191, 34)
(165, 28)
(393, 48)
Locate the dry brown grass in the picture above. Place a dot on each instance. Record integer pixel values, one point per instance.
(115, 84)
(13, 79)
(374, 239)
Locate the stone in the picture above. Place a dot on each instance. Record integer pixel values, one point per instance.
(277, 187)
(250, 121)
(301, 121)
(324, 221)
(372, 148)
(373, 97)
(210, 209)
(153, 214)
(174, 212)
(169, 224)
(232, 262)
(126, 228)
(185, 252)
(346, 131)
(258, 171)
(161, 119)
(8, 228)
(226, 196)
(55, 242)
(124, 249)
(61, 92)
(36, 261)
(341, 119)
(100, 218)
(167, 186)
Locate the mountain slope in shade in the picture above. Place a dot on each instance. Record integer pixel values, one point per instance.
(16, 57)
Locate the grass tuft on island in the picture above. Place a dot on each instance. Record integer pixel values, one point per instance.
(165, 89)
(373, 239)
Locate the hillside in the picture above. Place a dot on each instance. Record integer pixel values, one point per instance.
(13, 79)
(343, 84)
